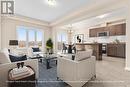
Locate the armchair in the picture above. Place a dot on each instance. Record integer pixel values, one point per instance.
(6, 65)
(76, 73)
(31, 53)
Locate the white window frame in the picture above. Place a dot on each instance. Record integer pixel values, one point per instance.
(61, 37)
(27, 34)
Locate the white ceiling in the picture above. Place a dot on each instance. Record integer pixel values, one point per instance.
(39, 9)
(113, 16)
(118, 14)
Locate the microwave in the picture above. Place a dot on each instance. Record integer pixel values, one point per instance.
(103, 34)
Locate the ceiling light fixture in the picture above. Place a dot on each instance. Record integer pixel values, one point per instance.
(51, 2)
(70, 31)
(102, 16)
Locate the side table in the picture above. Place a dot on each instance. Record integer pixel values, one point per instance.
(24, 81)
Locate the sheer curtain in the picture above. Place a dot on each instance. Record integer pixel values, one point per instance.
(62, 37)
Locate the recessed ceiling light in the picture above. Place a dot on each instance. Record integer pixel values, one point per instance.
(102, 16)
(51, 2)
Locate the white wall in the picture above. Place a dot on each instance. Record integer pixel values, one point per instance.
(128, 38)
(0, 31)
(0, 28)
(9, 29)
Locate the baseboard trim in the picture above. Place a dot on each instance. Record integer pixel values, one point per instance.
(128, 69)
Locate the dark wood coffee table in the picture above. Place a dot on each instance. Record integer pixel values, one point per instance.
(47, 58)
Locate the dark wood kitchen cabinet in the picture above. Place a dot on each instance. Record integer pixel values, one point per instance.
(111, 49)
(94, 32)
(116, 50)
(121, 50)
(114, 30)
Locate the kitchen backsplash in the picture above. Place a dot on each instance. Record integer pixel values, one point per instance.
(109, 39)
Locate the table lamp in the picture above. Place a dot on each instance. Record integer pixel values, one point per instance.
(13, 44)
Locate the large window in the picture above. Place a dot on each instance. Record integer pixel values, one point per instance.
(62, 37)
(29, 37)
(39, 38)
(22, 34)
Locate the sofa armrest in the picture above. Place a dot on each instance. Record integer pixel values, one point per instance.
(86, 66)
(4, 69)
(66, 69)
(67, 59)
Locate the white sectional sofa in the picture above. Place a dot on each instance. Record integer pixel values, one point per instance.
(79, 71)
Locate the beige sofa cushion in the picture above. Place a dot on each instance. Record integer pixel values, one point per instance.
(81, 55)
(4, 58)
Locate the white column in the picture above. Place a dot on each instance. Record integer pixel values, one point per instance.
(0, 33)
(54, 38)
(128, 38)
(0, 30)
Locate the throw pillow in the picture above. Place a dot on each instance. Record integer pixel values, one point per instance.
(17, 58)
(36, 49)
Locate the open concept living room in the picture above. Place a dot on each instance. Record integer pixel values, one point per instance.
(65, 43)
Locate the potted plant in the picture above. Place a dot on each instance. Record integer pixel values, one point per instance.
(49, 46)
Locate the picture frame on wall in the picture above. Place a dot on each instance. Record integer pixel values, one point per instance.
(79, 38)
